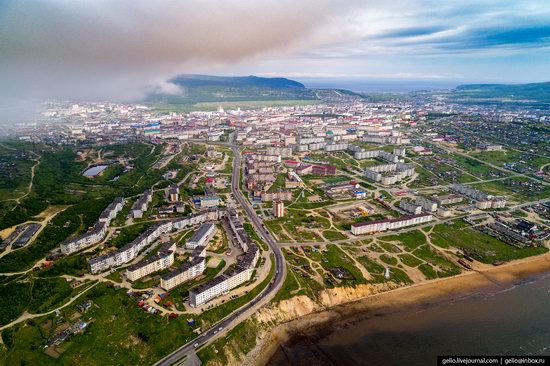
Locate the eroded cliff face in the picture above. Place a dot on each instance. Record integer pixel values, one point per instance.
(342, 295)
(296, 309)
(275, 323)
(286, 310)
(299, 306)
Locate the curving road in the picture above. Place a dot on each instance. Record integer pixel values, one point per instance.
(241, 314)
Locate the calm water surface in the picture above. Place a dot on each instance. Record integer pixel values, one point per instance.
(95, 170)
(513, 319)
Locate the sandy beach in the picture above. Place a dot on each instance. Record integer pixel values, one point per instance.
(401, 299)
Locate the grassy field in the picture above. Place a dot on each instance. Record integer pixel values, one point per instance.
(35, 295)
(15, 167)
(291, 287)
(300, 223)
(238, 341)
(477, 168)
(478, 245)
(333, 235)
(334, 258)
(516, 188)
(500, 158)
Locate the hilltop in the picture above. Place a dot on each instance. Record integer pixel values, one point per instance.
(534, 92)
(192, 80)
(205, 88)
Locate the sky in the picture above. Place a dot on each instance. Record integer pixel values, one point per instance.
(121, 49)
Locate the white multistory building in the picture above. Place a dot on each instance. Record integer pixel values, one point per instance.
(427, 204)
(98, 232)
(389, 174)
(201, 236)
(483, 200)
(141, 204)
(187, 271)
(390, 224)
(162, 260)
(131, 250)
(239, 275)
(410, 207)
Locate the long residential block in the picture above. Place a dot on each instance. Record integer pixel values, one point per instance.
(98, 232)
(187, 271)
(132, 249)
(241, 273)
(162, 260)
(390, 224)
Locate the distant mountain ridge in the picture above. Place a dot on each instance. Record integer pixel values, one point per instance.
(545, 84)
(533, 91)
(206, 88)
(194, 80)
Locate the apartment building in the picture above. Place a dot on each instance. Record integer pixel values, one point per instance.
(240, 274)
(140, 205)
(293, 181)
(390, 224)
(483, 200)
(227, 281)
(265, 157)
(282, 151)
(427, 204)
(201, 236)
(94, 236)
(162, 260)
(202, 202)
(278, 208)
(389, 174)
(173, 193)
(448, 199)
(410, 207)
(131, 250)
(187, 271)
(85, 240)
(279, 195)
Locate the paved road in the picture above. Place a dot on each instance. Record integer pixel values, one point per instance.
(263, 298)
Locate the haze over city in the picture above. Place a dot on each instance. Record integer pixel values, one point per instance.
(104, 49)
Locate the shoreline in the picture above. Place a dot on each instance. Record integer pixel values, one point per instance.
(402, 299)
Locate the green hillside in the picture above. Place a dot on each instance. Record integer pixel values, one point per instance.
(534, 92)
(204, 88)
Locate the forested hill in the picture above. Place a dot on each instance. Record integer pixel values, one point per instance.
(534, 91)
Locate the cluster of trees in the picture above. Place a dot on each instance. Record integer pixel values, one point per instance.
(47, 294)
(129, 233)
(33, 295)
(58, 181)
(14, 299)
(60, 228)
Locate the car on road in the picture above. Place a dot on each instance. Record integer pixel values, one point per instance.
(195, 345)
(220, 328)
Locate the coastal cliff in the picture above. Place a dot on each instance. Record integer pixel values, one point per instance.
(266, 322)
(275, 324)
